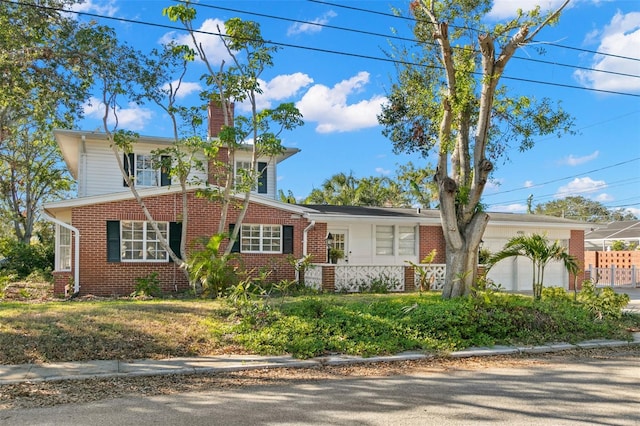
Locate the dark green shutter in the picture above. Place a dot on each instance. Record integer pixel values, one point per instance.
(113, 241)
(165, 179)
(175, 235)
(236, 243)
(129, 161)
(262, 178)
(287, 239)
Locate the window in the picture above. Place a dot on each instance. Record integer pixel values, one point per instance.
(139, 241)
(384, 240)
(261, 239)
(242, 175)
(407, 240)
(387, 245)
(63, 253)
(145, 170)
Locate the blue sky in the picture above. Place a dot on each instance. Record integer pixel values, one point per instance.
(333, 78)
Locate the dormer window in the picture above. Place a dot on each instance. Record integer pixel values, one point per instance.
(145, 171)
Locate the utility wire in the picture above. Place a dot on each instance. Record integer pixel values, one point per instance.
(315, 49)
(395, 37)
(595, 52)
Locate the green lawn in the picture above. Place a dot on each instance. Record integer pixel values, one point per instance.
(304, 326)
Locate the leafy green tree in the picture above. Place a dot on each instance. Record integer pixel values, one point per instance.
(239, 82)
(540, 251)
(46, 75)
(448, 99)
(581, 208)
(417, 184)
(347, 190)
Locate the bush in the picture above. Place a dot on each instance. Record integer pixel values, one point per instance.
(22, 259)
(148, 286)
(602, 302)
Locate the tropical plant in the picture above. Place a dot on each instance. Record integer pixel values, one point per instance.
(540, 251)
(211, 270)
(449, 100)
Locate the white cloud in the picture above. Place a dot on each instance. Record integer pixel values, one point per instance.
(510, 208)
(279, 88)
(583, 185)
(329, 108)
(382, 171)
(576, 161)
(133, 117)
(107, 8)
(633, 210)
(603, 198)
(528, 183)
(503, 9)
(207, 36)
(620, 37)
(186, 88)
(314, 26)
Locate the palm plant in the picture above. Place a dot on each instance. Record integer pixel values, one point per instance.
(540, 251)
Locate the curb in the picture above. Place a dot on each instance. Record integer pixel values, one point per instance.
(99, 369)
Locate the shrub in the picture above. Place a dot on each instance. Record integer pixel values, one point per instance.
(148, 286)
(23, 259)
(602, 302)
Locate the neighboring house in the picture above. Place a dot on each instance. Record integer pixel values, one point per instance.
(103, 242)
(600, 236)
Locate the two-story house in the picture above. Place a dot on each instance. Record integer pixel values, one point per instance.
(104, 242)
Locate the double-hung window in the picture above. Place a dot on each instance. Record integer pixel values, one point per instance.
(244, 176)
(140, 242)
(63, 252)
(261, 239)
(146, 172)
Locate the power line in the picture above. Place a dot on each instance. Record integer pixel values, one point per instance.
(595, 52)
(565, 178)
(395, 37)
(315, 49)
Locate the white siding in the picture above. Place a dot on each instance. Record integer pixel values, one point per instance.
(100, 173)
(272, 177)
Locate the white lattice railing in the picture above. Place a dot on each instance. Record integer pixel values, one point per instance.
(433, 275)
(313, 277)
(357, 278)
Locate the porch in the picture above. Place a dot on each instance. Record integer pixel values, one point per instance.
(358, 278)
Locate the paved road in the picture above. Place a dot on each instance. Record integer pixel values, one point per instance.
(602, 392)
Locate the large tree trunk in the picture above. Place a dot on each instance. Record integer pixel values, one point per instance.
(462, 247)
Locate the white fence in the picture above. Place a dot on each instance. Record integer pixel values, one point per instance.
(357, 278)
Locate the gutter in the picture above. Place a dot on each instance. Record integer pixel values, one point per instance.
(76, 251)
(304, 238)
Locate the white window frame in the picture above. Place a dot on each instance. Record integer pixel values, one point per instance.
(145, 168)
(145, 245)
(261, 238)
(63, 249)
(395, 240)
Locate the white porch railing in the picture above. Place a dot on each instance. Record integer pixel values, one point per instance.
(434, 276)
(358, 278)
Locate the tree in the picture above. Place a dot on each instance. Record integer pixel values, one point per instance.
(540, 251)
(45, 79)
(448, 100)
(581, 208)
(347, 190)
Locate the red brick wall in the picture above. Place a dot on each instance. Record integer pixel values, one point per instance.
(605, 259)
(216, 119)
(99, 277)
(576, 248)
(431, 237)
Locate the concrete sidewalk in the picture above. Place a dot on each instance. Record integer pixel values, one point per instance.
(226, 363)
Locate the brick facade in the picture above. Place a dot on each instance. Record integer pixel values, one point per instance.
(576, 249)
(432, 237)
(102, 278)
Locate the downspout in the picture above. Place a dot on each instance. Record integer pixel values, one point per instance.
(76, 251)
(304, 237)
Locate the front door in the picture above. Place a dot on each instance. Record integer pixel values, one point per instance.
(340, 244)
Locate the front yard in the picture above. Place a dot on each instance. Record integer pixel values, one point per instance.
(304, 326)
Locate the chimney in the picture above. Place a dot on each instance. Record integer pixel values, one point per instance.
(216, 118)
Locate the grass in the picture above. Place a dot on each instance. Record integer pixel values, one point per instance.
(306, 326)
